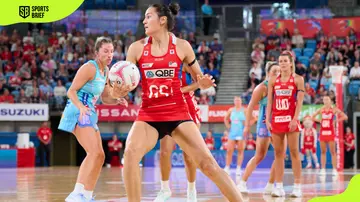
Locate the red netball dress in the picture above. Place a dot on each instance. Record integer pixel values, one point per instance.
(309, 140)
(283, 106)
(194, 109)
(327, 130)
(162, 99)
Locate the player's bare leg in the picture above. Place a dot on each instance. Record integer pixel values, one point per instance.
(190, 140)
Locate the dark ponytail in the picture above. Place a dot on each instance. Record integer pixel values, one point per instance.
(170, 12)
(174, 8)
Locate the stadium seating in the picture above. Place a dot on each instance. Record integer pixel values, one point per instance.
(304, 60)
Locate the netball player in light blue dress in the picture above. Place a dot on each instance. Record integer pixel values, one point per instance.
(234, 122)
(79, 116)
(259, 96)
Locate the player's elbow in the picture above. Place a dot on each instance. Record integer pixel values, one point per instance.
(70, 93)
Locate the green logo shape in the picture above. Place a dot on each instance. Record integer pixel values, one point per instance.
(24, 11)
(36, 11)
(350, 194)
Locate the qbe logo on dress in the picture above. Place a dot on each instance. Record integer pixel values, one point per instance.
(160, 73)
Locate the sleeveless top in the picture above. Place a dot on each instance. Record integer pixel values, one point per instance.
(284, 101)
(91, 91)
(237, 118)
(162, 99)
(327, 122)
(262, 107)
(309, 137)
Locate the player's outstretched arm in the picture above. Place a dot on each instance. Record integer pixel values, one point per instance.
(204, 81)
(193, 86)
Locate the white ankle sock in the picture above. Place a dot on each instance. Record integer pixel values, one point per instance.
(269, 185)
(191, 186)
(279, 185)
(88, 194)
(297, 186)
(165, 185)
(79, 188)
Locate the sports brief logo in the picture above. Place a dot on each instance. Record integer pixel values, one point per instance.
(24, 11)
(160, 73)
(35, 11)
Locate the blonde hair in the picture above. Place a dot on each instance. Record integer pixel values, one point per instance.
(291, 57)
(268, 67)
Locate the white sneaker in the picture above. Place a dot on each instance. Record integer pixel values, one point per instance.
(75, 197)
(243, 188)
(278, 192)
(268, 189)
(191, 196)
(296, 193)
(334, 172)
(238, 171)
(322, 172)
(163, 195)
(227, 170)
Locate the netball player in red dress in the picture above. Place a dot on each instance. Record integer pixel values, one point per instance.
(308, 142)
(327, 131)
(167, 145)
(285, 98)
(164, 109)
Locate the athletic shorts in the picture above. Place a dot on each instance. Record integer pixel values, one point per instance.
(165, 127)
(71, 117)
(262, 131)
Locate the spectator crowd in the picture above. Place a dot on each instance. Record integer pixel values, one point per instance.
(313, 58)
(39, 67)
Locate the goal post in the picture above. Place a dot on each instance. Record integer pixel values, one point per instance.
(336, 76)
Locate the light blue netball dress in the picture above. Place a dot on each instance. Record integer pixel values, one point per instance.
(261, 128)
(237, 124)
(88, 95)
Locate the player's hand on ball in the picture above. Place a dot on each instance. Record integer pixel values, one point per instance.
(119, 90)
(122, 101)
(205, 81)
